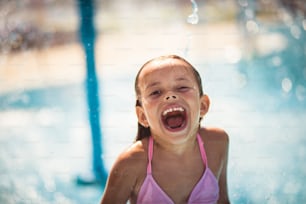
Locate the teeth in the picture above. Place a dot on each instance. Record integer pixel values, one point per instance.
(172, 110)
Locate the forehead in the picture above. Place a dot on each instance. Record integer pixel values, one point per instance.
(166, 68)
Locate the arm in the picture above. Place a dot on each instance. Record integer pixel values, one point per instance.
(223, 195)
(120, 182)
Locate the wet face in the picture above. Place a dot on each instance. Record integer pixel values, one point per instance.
(171, 104)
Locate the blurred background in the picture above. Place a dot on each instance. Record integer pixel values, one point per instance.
(251, 55)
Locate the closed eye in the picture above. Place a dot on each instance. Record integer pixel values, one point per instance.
(183, 88)
(155, 93)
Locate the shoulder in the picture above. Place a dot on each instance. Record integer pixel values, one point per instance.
(215, 138)
(214, 135)
(125, 173)
(129, 166)
(132, 158)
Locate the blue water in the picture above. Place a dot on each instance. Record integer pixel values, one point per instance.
(260, 101)
(45, 140)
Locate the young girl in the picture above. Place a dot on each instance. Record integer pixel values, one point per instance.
(173, 160)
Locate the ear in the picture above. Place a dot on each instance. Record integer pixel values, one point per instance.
(142, 119)
(205, 102)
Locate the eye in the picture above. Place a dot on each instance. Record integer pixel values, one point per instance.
(183, 88)
(155, 93)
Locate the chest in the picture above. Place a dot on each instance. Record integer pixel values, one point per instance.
(178, 177)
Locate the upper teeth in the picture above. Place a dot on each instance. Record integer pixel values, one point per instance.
(172, 110)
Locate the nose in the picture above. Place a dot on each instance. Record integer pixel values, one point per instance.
(170, 97)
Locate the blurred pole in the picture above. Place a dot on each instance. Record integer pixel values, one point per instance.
(87, 37)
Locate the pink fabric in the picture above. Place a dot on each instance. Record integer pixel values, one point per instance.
(206, 190)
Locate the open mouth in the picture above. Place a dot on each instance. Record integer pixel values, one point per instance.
(174, 119)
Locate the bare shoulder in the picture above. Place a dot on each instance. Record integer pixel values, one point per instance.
(125, 173)
(216, 137)
(214, 134)
(133, 157)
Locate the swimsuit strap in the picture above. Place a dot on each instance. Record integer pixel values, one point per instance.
(150, 155)
(202, 149)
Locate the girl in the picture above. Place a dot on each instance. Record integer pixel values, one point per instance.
(173, 160)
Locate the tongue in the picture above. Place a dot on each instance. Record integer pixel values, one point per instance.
(175, 121)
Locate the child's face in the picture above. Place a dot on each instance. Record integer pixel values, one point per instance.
(170, 98)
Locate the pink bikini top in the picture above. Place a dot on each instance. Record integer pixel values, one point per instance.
(206, 190)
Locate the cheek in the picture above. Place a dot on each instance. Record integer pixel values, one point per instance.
(147, 107)
(195, 106)
(150, 110)
(149, 103)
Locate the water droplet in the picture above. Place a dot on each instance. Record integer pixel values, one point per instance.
(295, 31)
(252, 27)
(286, 85)
(276, 61)
(194, 6)
(194, 17)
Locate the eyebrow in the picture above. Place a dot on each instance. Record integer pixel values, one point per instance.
(182, 79)
(152, 84)
(157, 83)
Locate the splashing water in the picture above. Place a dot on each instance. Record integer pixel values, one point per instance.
(194, 17)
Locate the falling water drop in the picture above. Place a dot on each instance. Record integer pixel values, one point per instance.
(286, 85)
(194, 17)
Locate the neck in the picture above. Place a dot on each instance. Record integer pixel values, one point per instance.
(176, 148)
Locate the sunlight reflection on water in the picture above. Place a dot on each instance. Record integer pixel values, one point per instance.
(258, 95)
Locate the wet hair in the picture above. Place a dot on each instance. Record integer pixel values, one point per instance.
(142, 131)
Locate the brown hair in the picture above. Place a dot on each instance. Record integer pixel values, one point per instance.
(144, 132)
